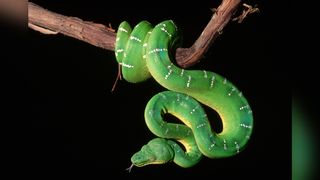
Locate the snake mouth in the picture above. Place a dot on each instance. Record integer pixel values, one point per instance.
(140, 159)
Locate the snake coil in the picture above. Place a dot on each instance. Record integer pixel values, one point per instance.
(145, 52)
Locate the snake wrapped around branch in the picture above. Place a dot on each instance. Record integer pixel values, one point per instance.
(146, 51)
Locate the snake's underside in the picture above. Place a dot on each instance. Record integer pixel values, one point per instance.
(145, 52)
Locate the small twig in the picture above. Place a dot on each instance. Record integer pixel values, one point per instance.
(245, 12)
(117, 78)
(41, 29)
(110, 28)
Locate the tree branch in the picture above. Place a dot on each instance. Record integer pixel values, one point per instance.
(187, 57)
(102, 36)
(96, 34)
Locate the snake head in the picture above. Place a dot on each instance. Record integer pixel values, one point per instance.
(157, 151)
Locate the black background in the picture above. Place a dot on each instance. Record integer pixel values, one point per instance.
(81, 129)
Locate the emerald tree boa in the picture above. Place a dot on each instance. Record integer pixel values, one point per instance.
(146, 51)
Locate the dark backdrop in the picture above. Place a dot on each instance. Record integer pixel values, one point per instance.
(79, 128)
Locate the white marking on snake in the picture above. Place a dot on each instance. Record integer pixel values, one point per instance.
(212, 81)
(225, 81)
(237, 146)
(224, 144)
(244, 107)
(126, 65)
(213, 143)
(178, 97)
(157, 50)
(151, 112)
(123, 30)
(245, 126)
(182, 71)
(194, 109)
(135, 39)
(119, 50)
(189, 81)
(205, 74)
(169, 72)
(233, 89)
(162, 124)
(165, 30)
(201, 125)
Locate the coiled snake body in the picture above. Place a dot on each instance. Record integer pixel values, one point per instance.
(145, 52)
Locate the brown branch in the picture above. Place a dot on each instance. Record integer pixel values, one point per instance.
(96, 34)
(187, 57)
(102, 36)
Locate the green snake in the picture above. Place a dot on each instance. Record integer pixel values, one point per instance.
(146, 51)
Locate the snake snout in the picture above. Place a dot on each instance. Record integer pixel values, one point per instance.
(142, 158)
